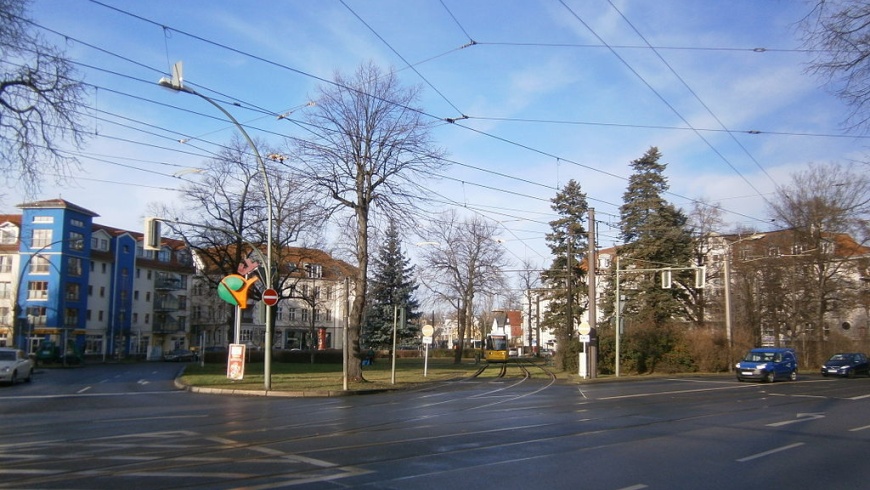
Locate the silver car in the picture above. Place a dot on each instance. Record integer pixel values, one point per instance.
(14, 365)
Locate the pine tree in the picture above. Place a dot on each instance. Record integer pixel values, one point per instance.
(568, 243)
(392, 285)
(656, 236)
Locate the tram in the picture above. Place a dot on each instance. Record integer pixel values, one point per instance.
(496, 347)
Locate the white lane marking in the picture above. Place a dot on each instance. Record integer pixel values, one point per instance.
(634, 487)
(768, 453)
(801, 417)
(856, 429)
(86, 388)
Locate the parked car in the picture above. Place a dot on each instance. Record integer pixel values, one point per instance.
(15, 365)
(179, 355)
(768, 364)
(846, 364)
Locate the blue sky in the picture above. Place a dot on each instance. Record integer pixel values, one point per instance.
(553, 90)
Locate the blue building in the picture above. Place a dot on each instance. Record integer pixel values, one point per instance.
(91, 289)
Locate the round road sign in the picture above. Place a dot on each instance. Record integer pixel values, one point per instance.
(428, 330)
(270, 297)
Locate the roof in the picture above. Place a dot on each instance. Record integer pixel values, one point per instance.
(56, 204)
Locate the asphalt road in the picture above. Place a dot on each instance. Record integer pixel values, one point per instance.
(127, 426)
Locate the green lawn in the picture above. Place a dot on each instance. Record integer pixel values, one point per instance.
(328, 377)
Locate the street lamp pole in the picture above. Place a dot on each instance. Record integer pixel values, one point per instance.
(176, 83)
(727, 272)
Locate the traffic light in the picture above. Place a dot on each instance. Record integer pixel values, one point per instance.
(666, 278)
(152, 234)
(234, 289)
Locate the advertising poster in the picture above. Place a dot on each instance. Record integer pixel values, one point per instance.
(236, 362)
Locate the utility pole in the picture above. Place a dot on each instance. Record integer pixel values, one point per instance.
(591, 261)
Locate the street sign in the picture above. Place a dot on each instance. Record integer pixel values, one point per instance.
(584, 338)
(428, 330)
(584, 329)
(270, 297)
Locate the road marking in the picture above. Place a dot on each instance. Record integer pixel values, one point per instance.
(801, 417)
(675, 392)
(861, 397)
(768, 453)
(634, 487)
(856, 429)
(86, 388)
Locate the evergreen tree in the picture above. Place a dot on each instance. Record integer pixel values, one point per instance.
(568, 244)
(392, 285)
(656, 236)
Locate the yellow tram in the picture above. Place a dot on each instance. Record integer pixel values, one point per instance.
(495, 348)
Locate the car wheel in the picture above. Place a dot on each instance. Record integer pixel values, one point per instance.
(771, 377)
(793, 376)
(850, 373)
(824, 375)
(14, 378)
(29, 377)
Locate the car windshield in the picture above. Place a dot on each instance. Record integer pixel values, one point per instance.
(759, 357)
(841, 357)
(7, 355)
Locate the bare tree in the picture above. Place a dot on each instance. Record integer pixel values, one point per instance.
(40, 101)
(368, 150)
(824, 207)
(225, 218)
(466, 261)
(529, 279)
(838, 32)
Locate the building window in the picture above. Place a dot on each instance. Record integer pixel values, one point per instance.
(305, 314)
(5, 289)
(136, 295)
(313, 271)
(5, 317)
(5, 263)
(164, 255)
(76, 240)
(74, 264)
(8, 235)
(100, 316)
(72, 291)
(36, 315)
(41, 239)
(104, 267)
(77, 222)
(71, 317)
(147, 318)
(291, 314)
(135, 318)
(37, 290)
(39, 264)
(102, 291)
(43, 219)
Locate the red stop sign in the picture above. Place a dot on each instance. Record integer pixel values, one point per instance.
(270, 297)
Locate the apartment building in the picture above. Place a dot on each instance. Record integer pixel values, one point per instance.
(89, 288)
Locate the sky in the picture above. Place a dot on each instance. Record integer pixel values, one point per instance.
(540, 92)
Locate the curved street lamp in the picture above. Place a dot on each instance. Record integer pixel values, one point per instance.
(176, 83)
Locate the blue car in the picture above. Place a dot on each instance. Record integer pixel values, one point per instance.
(846, 364)
(768, 364)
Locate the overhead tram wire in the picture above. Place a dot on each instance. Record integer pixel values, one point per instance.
(321, 79)
(409, 65)
(664, 100)
(695, 95)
